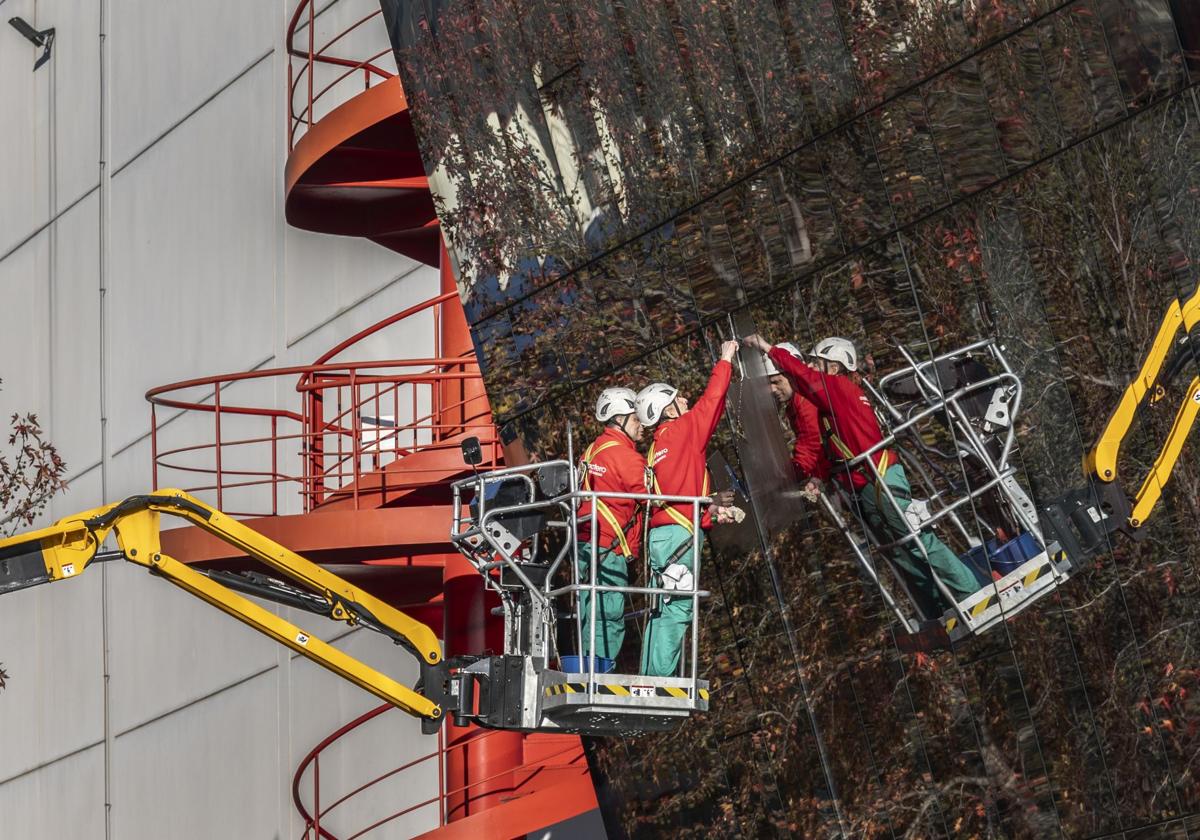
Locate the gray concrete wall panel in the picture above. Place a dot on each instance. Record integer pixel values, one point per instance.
(206, 770)
(24, 345)
(353, 270)
(73, 334)
(169, 58)
(170, 650)
(193, 275)
(52, 652)
(74, 135)
(62, 799)
(50, 152)
(23, 165)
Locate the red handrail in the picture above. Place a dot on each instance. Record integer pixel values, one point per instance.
(354, 419)
(312, 819)
(386, 322)
(312, 55)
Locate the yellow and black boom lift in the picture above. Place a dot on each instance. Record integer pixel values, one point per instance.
(1089, 518)
(65, 550)
(517, 690)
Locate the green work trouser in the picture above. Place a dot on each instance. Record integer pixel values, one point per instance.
(669, 623)
(611, 570)
(890, 524)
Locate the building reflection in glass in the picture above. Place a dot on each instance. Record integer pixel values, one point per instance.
(617, 179)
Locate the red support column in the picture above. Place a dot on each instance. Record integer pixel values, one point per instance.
(470, 628)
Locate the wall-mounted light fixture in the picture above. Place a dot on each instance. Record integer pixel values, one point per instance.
(39, 38)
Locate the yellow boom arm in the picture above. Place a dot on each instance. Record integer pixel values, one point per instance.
(1101, 461)
(65, 549)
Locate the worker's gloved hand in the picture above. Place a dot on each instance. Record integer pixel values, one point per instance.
(677, 576)
(723, 498)
(728, 515)
(757, 342)
(811, 491)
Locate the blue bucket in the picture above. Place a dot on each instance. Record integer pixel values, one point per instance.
(1013, 553)
(579, 664)
(1004, 558)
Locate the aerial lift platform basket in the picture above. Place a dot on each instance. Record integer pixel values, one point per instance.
(956, 400)
(520, 527)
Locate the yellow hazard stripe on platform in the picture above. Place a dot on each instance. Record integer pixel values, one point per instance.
(564, 688)
(617, 690)
(975, 611)
(984, 605)
(1035, 574)
(989, 602)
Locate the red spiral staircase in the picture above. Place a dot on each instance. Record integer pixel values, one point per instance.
(353, 470)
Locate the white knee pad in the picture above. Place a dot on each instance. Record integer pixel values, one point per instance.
(677, 576)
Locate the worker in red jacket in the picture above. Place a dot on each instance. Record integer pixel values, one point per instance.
(808, 452)
(850, 428)
(612, 464)
(677, 464)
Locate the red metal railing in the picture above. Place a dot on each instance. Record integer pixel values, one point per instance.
(305, 57)
(571, 757)
(353, 419)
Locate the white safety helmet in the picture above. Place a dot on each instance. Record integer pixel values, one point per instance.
(791, 349)
(840, 350)
(614, 402)
(653, 400)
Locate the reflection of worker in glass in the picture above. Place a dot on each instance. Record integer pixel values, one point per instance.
(849, 428)
(611, 464)
(808, 453)
(677, 464)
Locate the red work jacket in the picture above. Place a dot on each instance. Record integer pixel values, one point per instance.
(808, 452)
(678, 457)
(612, 464)
(847, 420)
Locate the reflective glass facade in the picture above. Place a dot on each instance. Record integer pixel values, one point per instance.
(618, 180)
